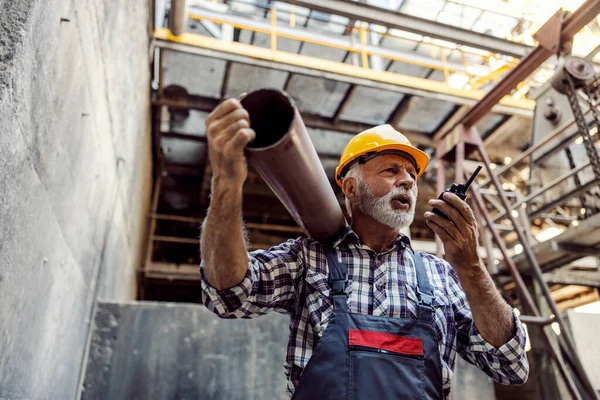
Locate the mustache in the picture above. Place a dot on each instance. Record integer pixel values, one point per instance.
(401, 191)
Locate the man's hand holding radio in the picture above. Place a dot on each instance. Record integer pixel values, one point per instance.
(458, 232)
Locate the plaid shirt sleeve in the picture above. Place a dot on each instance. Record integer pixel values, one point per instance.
(506, 364)
(269, 284)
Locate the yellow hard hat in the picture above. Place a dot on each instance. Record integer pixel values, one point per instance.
(376, 141)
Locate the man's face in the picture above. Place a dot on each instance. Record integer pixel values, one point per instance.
(388, 190)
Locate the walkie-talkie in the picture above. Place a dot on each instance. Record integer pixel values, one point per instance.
(458, 189)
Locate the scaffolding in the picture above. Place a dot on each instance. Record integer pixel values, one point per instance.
(572, 79)
(506, 214)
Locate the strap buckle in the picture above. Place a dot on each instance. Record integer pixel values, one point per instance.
(338, 286)
(425, 299)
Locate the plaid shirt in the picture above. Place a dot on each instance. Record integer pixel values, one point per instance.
(292, 279)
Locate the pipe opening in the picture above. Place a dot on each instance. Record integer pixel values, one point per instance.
(271, 115)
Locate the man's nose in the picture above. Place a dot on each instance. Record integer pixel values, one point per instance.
(405, 180)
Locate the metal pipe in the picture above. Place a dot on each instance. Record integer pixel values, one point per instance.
(177, 17)
(563, 198)
(543, 189)
(529, 319)
(283, 154)
(528, 302)
(536, 270)
(529, 63)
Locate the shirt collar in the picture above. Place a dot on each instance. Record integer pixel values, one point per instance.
(348, 235)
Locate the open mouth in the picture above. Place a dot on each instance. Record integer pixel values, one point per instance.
(403, 201)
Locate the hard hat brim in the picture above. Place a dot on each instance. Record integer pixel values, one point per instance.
(420, 158)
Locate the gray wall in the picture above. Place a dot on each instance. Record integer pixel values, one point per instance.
(156, 351)
(469, 382)
(75, 165)
(584, 328)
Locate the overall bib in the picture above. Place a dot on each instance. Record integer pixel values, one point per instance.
(366, 357)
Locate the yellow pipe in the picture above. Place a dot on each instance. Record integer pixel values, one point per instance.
(445, 66)
(332, 66)
(323, 43)
(492, 76)
(292, 16)
(273, 29)
(363, 45)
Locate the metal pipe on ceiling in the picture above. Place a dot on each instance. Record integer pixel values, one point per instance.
(410, 23)
(283, 154)
(177, 17)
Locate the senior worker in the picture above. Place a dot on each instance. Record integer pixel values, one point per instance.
(369, 317)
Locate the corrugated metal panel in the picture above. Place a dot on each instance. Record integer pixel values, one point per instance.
(198, 75)
(326, 53)
(316, 95)
(246, 78)
(371, 106)
(428, 9)
(264, 40)
(488, 122)
(425, 114)
(408, 69)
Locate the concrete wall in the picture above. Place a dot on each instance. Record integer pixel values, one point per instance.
(584, 328)
(469, 382)
(156, 351)
(75, 166)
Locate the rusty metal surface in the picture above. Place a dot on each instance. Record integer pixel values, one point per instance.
(549, 34)
(580, 71)
(410, 23)
(285, 157)
(528, 64)
(565, 339)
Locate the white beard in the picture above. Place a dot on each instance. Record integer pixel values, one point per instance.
(380, 208)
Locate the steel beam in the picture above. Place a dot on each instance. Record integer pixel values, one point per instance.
(310, 120)
(563, 198)
(411, 23)
(343, 42)
(447, 125)
(225, 83)
(573, 277)
(316, 67)
(532, 61)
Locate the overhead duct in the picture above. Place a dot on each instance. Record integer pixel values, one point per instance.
(177, 17)
(285, 157)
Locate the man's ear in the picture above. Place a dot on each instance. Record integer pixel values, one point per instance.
(350, 188)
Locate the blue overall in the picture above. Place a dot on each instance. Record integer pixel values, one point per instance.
(365, 357)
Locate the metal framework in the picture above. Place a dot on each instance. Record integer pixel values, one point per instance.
(469, 137)
(455, 140)
(410, 23)
(341, 72)
(463, 139)
(563, 31)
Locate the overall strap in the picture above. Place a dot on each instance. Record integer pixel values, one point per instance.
(338, 272)
(425, 295)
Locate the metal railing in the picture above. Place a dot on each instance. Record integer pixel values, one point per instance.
(476, 75)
